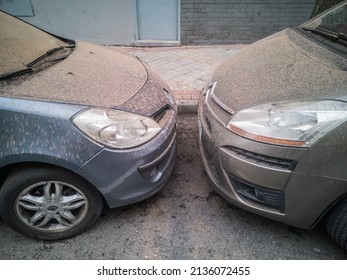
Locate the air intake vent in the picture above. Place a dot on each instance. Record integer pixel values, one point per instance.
(263, 196)
(270, 162)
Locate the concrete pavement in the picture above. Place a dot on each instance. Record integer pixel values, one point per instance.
(185, 69)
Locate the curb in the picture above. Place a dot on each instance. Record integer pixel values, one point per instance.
(187, 101)
(187, 106)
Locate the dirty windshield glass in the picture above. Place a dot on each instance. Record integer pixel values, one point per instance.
(21, 43)
(335, 21)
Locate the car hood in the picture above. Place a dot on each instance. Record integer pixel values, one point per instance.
(90, 75)
(283, 67)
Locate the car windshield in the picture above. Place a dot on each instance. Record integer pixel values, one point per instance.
(334, 21)
(22, 44)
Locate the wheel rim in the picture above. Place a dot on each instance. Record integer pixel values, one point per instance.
(51, 206)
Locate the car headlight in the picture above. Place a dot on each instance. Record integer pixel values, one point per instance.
(297, 124)
(115, 128)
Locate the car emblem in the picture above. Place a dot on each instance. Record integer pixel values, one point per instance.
(210, 90)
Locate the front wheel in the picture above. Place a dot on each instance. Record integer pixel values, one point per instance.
(336, 223)
(48, 203)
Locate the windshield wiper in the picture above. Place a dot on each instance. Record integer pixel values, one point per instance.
(48, 53)
(16, 73)
(29, 66)
(335, 36)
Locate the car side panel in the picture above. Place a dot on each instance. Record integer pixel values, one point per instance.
(328, 157)
(34, 131)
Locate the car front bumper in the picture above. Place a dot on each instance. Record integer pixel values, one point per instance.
(261, 178)
(127, 176)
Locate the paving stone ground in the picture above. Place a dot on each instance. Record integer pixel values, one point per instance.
(185, 69)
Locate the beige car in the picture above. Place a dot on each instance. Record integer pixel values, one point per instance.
(273, 126)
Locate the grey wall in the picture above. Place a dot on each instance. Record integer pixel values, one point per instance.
(98, 21)
(202, 21)
(239, 21)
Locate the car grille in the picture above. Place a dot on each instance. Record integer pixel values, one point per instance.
(163, 116)
(267, 161)
(216, 107)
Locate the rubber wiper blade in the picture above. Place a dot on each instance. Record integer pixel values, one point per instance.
(335, 36)
(16, 73)
(48, 53)
(342, 36)
(29, 67)
(322, 31)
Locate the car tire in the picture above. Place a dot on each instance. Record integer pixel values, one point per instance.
(48, 203)
(336, 223)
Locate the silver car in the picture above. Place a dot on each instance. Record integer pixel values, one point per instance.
(273, 126)
(82, 127)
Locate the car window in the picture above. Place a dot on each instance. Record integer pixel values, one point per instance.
(21, 43)
(334, 20)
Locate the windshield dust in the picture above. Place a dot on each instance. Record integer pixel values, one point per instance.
(21, 43)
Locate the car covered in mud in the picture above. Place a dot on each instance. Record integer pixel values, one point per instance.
(83, 127)
(273, 125)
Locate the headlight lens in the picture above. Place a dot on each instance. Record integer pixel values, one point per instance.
(116, 129)
(292, 124)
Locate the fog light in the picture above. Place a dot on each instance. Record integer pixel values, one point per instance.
(260, 195)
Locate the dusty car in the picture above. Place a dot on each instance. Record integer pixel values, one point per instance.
(82, 127)
(273, 125)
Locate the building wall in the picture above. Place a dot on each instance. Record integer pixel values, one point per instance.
(239, 21)
(97, 21)
(113, 22)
